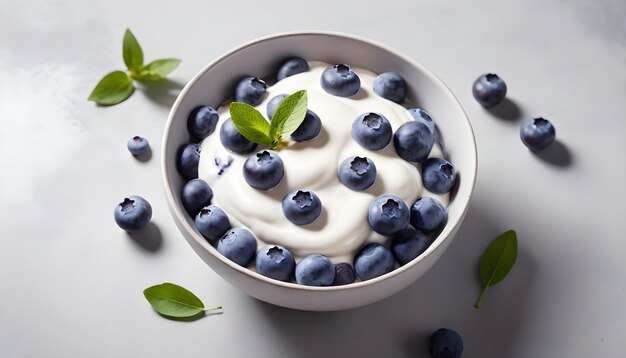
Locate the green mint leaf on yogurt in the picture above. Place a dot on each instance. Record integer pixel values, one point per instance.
(174, 301)
(250, 123)
(497, 261)
(114, 88)
(157, 70)
(132, 53)
(289, 115)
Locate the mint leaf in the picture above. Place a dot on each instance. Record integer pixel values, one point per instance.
(133, 55)
(157, 70)
(175, 301)
(250, 123)
(497, 261)
(289, 115)
(114, 88)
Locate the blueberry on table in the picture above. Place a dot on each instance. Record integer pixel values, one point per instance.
(388, 214)
(408, 244)
(273, 104)
(438, 175)
(428, 214)
(489, 90)
(339, 80)
(133, 214)
(390, 85)
(537, 134)
(302, 207)
(250, 90)
(212, 222)
(188, 159)
(344, 274)
(275, 262)
(357, 173)
(237, 245)
(372, 131)
(309, 129)
(138, 145)
(292, 67)
(233, 140)
(445, 343)
(315, 270)
(195, 195)
(263, 170)
(423, 116)
(202, 121)
(413, 141)
(373, 260)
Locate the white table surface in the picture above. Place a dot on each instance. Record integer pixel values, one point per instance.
(71, 281)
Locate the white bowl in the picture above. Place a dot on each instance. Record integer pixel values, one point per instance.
(216, 82)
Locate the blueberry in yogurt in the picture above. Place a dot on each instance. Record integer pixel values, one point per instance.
(390, 85)
(339, 80)
(138, 145)
(188, 158)
(344, 274)
(357, 173)
(238, 245)
(489, 90)
(423, 116)
(413, 141)
(537, 134)
(250, 90)
(275, 262)
(212, 222)
(233, 140)
(408, 244)
(195, 195)
(388, 214)
(302, 207)
(373, 260)
(202, 121)
(372, 131)
(309, 129)
(273, 104)
(428, 214)
(292, 67)
(315, 270)
(263, 170)
(438, 175)
(133, 214)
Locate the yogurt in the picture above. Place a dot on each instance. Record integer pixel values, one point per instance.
(342, 227)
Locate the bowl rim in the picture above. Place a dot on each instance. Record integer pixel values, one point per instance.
(179, 215)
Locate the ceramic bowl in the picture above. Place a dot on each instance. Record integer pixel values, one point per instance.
(261, 57)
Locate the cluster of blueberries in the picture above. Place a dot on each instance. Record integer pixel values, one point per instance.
(387, 214)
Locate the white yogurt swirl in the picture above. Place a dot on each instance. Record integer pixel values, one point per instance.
(342, 227)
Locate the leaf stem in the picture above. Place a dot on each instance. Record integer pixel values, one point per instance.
(213, 309)
(480, 298)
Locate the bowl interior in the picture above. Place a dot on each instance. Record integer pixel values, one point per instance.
(215, 84)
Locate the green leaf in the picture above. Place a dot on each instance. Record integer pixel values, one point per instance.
(133, 55)
(289, 115)
(497, 261)
(175, 301)
(250, 123)
(114, 88)
(157, 70)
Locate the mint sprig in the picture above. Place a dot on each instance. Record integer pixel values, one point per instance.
(118, 86)
(497, 261)
(287, 118)
(174, 301)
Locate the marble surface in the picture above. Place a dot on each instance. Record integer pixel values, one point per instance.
(71, 281)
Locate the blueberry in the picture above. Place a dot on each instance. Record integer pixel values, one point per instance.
(133, 214)
(373, 260)
(309, 129)
(421, 115)
(390, 85)
(233, 140)
(138, 145)
(315, 270)
(237, 245)
(372, 131)
(195, 195)
(212, 222)
(275, 262)
(388, 214)
(438, 175)
(445, 343)
(302, 207)
(344, 274)
(340, 80)
(292, 67)
(273, 104)
(357, 173)
(408, 244)
(250, 90)
(537, 134)
(489, 90)
(413, 141)
(188, 159)
(202, 121)
(428, 214)
(263, 170)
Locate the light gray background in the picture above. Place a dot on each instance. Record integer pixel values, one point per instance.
(71, 281)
